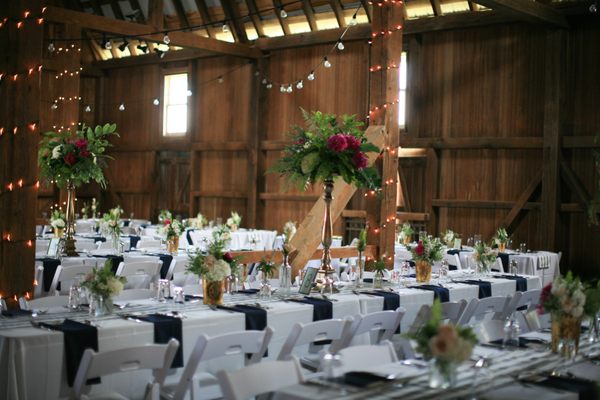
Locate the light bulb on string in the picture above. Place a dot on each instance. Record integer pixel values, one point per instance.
(54, 106)
(51, 47)
(282, 89)
(122, 107)
(353, 21)
(106, 43)
(225, 28)
(189, 93)
(156, 102)
(282, 13)
(264, 81)
(166, 39)
(340, 45)
(299, 85)
(269, 85)
(88, 109)
(289, 89)
(311, 76)
(326, 63)
(220, 79)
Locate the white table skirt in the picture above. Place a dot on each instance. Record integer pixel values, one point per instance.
(32, 358)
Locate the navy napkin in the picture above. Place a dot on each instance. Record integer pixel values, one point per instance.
(248, 291)
(77, 337)
(166, 260)
(114, 261)
(363, 379)
(133, 241)
(256, 317)
(587, 389)
(189, 237)
(322, 309)
(453, 251)
(50, 265)
(505, 261)
(99, 239)
(441, 293)
(521, 282)
(485, 288)
(166, 328)
(391, 301)
(16, 313)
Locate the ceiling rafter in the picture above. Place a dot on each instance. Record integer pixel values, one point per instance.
(282, 21)
(148, 33)
(231, 13)
(116, 9)
(529, 10)
(135, 6)
(437, 7)
(310, 15)
(365, 5)
(255, 17)
(339, 12)
(155, 14)
(206, 20)
(183, 19)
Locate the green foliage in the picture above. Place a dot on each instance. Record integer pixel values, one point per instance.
(592, 299)
(103, 282)
(309, 159)
(267, 268)
(484, 254)
(75, 157)
(362, 240)
(430, 250)
(379, 265)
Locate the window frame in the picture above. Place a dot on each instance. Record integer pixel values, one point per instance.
(164, 73)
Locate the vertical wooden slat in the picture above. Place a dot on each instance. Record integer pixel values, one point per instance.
(183, 19)
(232, 14)
(253, 149)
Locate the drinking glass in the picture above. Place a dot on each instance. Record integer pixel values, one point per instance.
(178, 296)
(511, 332)
(74, 296)
(514, 267)
(219, 221)
(523, 248)
(443, 273)
(404, 272)
(477, 239)
(470, 241)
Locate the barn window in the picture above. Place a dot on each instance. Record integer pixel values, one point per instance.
(175, 105)
(402, 94)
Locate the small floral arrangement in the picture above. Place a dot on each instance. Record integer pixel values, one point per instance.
(267, 268)
(199, 222)
(362, 241)
(102, 282)
(565, 296)
(234, 221)
(501, 237)
(75, 157)
(172, 228)
(448, 237)
(429, 250)
(445, 343)
(326, 149)
(110, 223)
(289, 230)
(57, 219)
(406, 231)
(379, 265)
(217, 264)
(164, 215)
(483, 254)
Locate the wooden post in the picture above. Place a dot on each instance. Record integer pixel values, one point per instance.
(19, 108)
(555, 71)
(386, 52)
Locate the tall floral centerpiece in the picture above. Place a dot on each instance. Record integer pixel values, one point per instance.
(361, 245)
(212, 268)
(103, 285)
(325, 149)
(501, 239)
(484, 258)
(234, 221)
(425, 253)
(285, 270)
(57, 221)
(70, 159)
(172, 230)
(565, 300)
(445, 346)
(406, 232)
(110, 225)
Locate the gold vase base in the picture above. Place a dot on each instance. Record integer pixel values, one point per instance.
(69, 249)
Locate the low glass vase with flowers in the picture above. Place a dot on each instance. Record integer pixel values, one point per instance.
(448, 237)
(406, 232)
(267, 270)
(233, 222)
(425, 253)
(378, 273)
(565, 300)
(110, 226)
(484, 257)
(212, 268)
(102, 285)
(501, 239)
(57, 221)
(285, 270)
(445, 346)
(172, 230)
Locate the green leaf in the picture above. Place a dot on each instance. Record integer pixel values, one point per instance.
(309, 162)
(369, 147)
(98, 130)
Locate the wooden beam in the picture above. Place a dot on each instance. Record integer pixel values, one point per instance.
(404, 189)
(310, 15)
(306, 240)
(151, 59)
(96, 7)
(116, 9)
(412, 216)
(219, 193)
(411, 153)
(255, 17)
(437, 7)
(183, 19)
(220, 146)
(354, 214)
(253, 145)
(481, 204)
(282, 21)
(473, 6)
(580, 142)
(339, 12)
(117, 27)
(358, 32)
(508, 221)
(365, 6)
(575, 184)
(528, 10)
(156, 18)
(231, 13)
(289, 196)
(473, 143)
(206, 18)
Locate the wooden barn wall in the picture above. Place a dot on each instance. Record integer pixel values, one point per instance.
(341, 89)
(490, 83)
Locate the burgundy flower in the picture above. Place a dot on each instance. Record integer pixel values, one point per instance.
(544, 296)
(420, 249)
(301, 141)
(337, 143)
(352, 142)
(84, 153)
(70, 159)
(167, 222)
(81, 144)
(360, 160)
(228, 257)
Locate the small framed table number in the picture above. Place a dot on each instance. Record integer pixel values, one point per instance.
(54, 247)
(307, 281)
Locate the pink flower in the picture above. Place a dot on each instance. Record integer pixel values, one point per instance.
(81, 144)
(167, 222)
(420, 249)
(360, 160)
(70, 159)
(337, 143)
(352, 142)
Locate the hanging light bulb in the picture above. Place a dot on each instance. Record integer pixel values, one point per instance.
(269, 85)
(264, 81)
(289, 89)
(225, 28)
(166, 39)
(220, 79)
(299, 85)
(282, 89)
(106, 43)
(353, 21)
(121, 107)
(311, 76)
(54, 106)
(326, 63)
(156, 102)
(189, 92)
(340, 45)
(283, 13)
(88, 109)
(51, 47)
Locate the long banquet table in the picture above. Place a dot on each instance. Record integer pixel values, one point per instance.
(33, 358)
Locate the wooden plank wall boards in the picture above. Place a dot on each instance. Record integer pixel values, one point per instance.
(384, 91)
(20, 106)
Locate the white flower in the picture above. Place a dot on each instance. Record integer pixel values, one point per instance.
(218, 271)
(56, 151)
(229, 222)
(289, 230)
(114, 286)
(58, 223)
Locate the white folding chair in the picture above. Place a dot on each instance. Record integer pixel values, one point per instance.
(177, 272)
(149, 244)
(382, 323)
(108, 245)
(451, 312)
(497, 265)
(303, 334)
(357, 358)
(38, 283)
(207, 348)
(134, 294)
(259, 378)
(483, 309)
(157, 357)
(66, 276)
(139, 274)
(527, 316)
(43, 302)
(453, 260)
(85, 245)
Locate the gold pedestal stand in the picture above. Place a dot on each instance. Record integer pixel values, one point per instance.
(324, 281)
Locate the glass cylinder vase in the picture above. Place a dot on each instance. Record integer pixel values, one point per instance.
(442, 374)
(100, 305)
(378, 279)
(285, 276)
(360, 268)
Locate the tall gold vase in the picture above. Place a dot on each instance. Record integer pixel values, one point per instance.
(565, 328)
(70, 221)
(324, 277)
